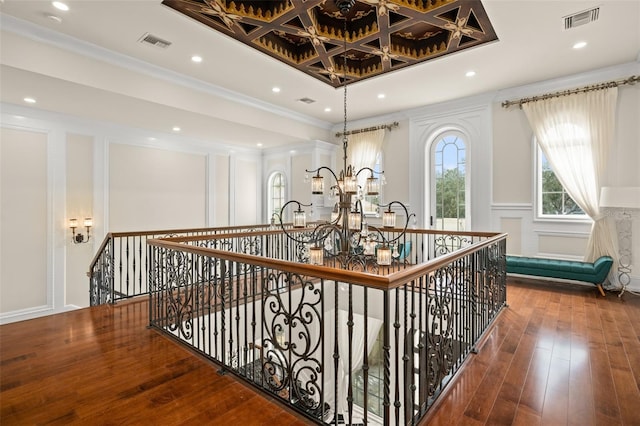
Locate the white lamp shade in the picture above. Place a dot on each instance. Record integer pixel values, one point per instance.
(350, 184)
(88, 222)
(373, 186)
(316, 255)
(299, 219)
(317, 185)
(389, 219)
(73, 223)
(355, 220)
(383, 256)
(623, 197)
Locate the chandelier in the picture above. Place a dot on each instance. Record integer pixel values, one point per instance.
(347, 237)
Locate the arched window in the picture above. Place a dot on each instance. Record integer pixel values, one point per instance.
(276, 193)
(449, 183)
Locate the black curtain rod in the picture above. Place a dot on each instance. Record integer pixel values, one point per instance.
(369, 129)
(631, 80)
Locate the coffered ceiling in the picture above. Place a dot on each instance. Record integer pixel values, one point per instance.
(381, 35)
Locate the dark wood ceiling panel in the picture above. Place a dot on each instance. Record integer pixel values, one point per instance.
(382, 35)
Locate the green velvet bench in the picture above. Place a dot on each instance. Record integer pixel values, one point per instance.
(594, 273)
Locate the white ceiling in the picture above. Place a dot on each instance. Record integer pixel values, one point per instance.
(94, 54)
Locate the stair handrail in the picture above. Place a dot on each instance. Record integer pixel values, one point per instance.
(110, 241)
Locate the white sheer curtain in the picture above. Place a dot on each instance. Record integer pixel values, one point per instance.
(364, 147)
(575, 132)
(357, 356)
(357, 351)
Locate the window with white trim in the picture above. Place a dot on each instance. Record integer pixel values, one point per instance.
(449, 186)
(276, 194)
(553, 201)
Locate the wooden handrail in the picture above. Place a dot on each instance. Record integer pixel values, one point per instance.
(98, 254)
(382, 282)
(183, 230)
(364, 278)
(385, 278)
(401, 277)
(161, 231)
(190, 238)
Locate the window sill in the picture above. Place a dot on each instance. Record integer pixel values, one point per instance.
(563, 219)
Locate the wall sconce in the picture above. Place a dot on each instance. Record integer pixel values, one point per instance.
(79, 237)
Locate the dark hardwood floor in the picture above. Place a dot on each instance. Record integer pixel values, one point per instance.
(560, 354)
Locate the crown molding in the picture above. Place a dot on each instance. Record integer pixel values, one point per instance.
(19, 116)
(582, 79)
(305, 147)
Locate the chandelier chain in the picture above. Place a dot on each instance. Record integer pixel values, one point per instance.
(345, 139)
(347, 238)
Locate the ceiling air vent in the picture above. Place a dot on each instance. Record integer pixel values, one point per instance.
(306, 100)
(154, 41)
(581, 18)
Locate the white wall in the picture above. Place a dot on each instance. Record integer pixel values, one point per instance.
(56, 167)
(23, 221)
(79, 205)
(246, 190)
(153, 189)
(219, 183)
(300, 190)
(395, 156)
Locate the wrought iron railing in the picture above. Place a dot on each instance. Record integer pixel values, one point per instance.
(119, 270)
(338, 346)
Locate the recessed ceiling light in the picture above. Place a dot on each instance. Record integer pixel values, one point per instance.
(381, 95)
(470, 73)
(60, 6)
(30, 100)
(327, 109)
(293, 151)
(259, 144)
(54, 18)
(276, 90)
(580, 45)
(151, 138)
(197, 59)
(176, 129)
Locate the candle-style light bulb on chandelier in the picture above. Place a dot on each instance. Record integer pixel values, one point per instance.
(346, 236)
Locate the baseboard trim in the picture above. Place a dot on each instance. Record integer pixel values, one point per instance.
(31, 313)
